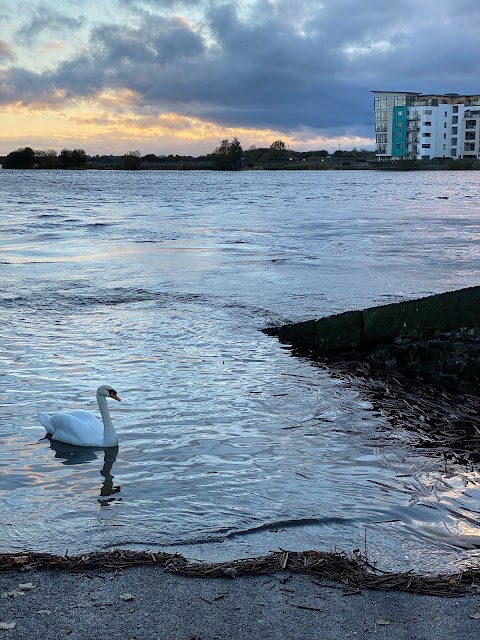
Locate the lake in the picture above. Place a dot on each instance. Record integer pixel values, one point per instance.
(159, 283)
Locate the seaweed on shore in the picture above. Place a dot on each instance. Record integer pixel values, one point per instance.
(354, 572)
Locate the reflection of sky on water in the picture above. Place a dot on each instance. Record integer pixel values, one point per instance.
(223, 433)
(70, 455)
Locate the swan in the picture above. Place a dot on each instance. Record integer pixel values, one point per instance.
(82, 428)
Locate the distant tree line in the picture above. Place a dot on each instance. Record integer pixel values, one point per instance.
(228, 156)
(27, 158)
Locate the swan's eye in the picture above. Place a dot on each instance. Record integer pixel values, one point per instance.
(112, 391)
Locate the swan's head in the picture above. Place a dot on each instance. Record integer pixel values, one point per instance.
(107, 392)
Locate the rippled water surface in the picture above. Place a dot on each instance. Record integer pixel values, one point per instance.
(159, 283)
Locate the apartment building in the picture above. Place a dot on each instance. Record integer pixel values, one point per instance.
(417, 126)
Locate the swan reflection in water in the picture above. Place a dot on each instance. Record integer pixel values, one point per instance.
(70, 454)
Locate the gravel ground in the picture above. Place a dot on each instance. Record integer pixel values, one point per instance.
(145, 603)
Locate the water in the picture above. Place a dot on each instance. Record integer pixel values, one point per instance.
(158, 283)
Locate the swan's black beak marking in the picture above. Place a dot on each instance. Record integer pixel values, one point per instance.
(113, 394)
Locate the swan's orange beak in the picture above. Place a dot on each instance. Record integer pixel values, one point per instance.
(113, 395)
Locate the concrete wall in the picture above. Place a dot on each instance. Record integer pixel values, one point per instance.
(415, 319)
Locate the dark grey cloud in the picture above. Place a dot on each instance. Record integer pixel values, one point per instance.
(289, 64)
(47, 19)
(21, 85)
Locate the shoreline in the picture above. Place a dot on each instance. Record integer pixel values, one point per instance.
(353, 571)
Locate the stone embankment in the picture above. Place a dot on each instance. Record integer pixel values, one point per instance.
(436, 338)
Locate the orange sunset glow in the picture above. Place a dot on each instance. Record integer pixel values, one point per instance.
(179, 77)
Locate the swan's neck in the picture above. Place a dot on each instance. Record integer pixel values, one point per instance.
(109, 433)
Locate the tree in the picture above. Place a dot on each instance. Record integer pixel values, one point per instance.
(71, 159)
(132, 161)
(235, 154)
(47, 159)
(220, 155)
(278, 145)
(20, 159)
(150, 157)
(277, 152)
(229, 155)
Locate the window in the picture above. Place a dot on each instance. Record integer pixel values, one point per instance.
(397, 146)
(453, 152)
(381, 103)
(427, 124)
(469, 146)
(399, 101)
(455, 109)
(454, 119)
(444, 125)
(454, 142)
(444, 136)
(381, 116)
(381, 138)
(380, 126)
(399, 135)
(470, 124)
(445, 114)
(426, 135)
(444, 147)
(454, 131)
(469, 135)
(425, 146)
(399, 125)
(399, 114)
(427, 112)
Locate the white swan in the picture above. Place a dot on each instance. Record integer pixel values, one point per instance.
(82, 428)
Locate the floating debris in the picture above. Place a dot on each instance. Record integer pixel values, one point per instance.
(445, 424)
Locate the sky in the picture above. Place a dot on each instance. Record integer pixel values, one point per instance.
(179, 76)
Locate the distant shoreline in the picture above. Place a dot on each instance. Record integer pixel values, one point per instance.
(320, 166)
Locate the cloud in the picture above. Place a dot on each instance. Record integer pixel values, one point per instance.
(47, 19)
(6, 51)
(23, 87)
(280, 65)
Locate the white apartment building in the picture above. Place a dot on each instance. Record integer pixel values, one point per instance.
(417, 126)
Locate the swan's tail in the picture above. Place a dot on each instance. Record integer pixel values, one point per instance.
(46, 420)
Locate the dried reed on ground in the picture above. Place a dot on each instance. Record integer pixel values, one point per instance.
(353, 572)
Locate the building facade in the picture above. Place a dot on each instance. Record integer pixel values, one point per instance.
(415, 126)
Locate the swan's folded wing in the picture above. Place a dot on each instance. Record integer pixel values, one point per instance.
(72, 429)
(87, 417)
